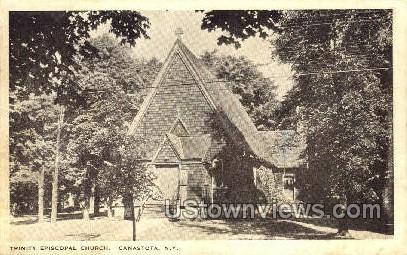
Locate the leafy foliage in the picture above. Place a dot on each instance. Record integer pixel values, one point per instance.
(32, 145)
(347, 115)
(129, 174)
(242, 24)
(43, 45)
(256, 93)
(342, 95)
(112, 90)
(46, 50)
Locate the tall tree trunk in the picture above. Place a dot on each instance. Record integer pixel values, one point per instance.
(109, 208)
(388, 191)
(343, 223)
(133, 216)
(54, 200)
(41, 195)
(129, 212)
(87, 196)
(86, 209)
(96, 203)
(133, 219)
(343, 226)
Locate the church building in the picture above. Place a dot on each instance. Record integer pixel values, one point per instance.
(202, 143)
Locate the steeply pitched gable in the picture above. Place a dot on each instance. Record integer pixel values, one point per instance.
(166, 153)
(183, 68)
(177, 71)
(179, 128)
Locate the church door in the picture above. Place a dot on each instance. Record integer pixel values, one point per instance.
(167, 181)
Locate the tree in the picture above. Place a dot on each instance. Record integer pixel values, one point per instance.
(148, 70)
(256, 93)
(133, 182)
(43, 47)
(345, 98)
(242, 24)
(112, 88)
(343, 85)
(32, 145)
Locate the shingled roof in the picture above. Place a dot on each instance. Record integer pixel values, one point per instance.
(191, 147)
(267, 146)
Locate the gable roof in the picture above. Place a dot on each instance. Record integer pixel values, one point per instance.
(234, 118)
(176, 50)
(191, 147)
(166, 152)
(179, 128)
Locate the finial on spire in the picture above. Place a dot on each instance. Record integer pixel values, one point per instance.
(179, 32)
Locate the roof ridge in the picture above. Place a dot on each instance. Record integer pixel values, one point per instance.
(229, 104)
(279, 130)
(158, 80)
(195, 60)
(233, 116)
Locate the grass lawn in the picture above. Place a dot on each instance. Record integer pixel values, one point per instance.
(102, 228)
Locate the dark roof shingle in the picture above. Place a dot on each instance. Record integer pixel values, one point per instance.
(269, 146)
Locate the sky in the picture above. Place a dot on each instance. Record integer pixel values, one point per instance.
(162, 37)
